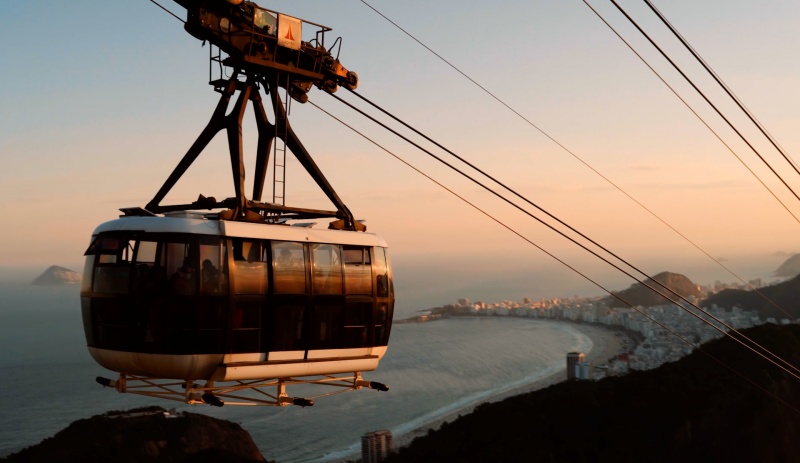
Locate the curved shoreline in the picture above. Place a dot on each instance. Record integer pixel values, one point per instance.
(605, 344)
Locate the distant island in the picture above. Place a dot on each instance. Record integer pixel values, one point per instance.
(56, 275)
(144, 435)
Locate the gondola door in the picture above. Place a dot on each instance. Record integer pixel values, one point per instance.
(285, 329)
(325, 321)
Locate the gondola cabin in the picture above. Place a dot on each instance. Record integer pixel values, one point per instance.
(189, 297)
(197, 306)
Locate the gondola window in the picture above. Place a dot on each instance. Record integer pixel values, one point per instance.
(358, 270)
(289, 267)
(250, 267)
(327, 268)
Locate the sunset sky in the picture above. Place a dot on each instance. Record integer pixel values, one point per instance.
(101, 100)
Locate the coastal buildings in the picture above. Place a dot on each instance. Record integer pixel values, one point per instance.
(652, 335)
(583, 371)
(376, 446)
(573, 360)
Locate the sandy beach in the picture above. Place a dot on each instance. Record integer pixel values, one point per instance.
(606, 344)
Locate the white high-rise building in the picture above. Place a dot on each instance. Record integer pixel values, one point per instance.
(582, 370)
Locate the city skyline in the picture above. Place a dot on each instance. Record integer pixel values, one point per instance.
(103, 100)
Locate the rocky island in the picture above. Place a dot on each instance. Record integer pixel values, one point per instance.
(56, 275)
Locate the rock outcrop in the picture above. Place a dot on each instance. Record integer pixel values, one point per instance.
(145, 435)
(638, 294)
(56, 275)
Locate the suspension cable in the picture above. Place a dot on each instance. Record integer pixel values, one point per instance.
(171, 13)
(685, 103)
(724, 86)
(700, 92)
(604, 259)
(562, 262)
(578, 158)
(384, 111)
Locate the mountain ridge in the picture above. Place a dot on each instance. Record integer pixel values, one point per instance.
(777, 301)
(640, 295)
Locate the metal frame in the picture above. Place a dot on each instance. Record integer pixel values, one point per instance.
(215, 394)
(239, 205)
(249, 58)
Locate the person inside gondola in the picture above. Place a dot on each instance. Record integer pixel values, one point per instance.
(210, 277)
(285, 258)
(183, 281)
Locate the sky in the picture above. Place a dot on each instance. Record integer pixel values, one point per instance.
(101, 100)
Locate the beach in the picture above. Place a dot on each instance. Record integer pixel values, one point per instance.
(605, 344)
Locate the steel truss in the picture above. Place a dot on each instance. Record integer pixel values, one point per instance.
(242, 393)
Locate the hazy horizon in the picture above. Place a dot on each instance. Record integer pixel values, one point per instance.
(422, 284)
(94, 134)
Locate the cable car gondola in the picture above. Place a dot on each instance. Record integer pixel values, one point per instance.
(218, 300)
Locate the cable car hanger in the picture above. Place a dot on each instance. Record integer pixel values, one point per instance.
(264, 48)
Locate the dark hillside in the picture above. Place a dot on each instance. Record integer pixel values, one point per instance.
(145, 435)
(785, 295)
(790, 268)
(693, 410)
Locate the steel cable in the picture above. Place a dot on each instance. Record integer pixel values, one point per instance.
(562, 262)
(604, 259)
(578, 158)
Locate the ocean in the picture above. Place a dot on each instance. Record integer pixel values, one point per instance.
(433, 369)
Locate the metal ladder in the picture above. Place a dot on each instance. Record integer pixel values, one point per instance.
(279, 150)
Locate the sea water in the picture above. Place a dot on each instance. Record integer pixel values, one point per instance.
(433, 369)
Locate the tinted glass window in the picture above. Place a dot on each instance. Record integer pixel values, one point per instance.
(251, 271)
(149, 272)
(289, 267)
(246, 326)
(112, 266)
(381, 273)
(355, 327)
(327, 265)
(357, 270)
(111, 279)
(212, 266)
(146, 253)
(182, 265)
(86, 280)
(286, 327)
(383, 324)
